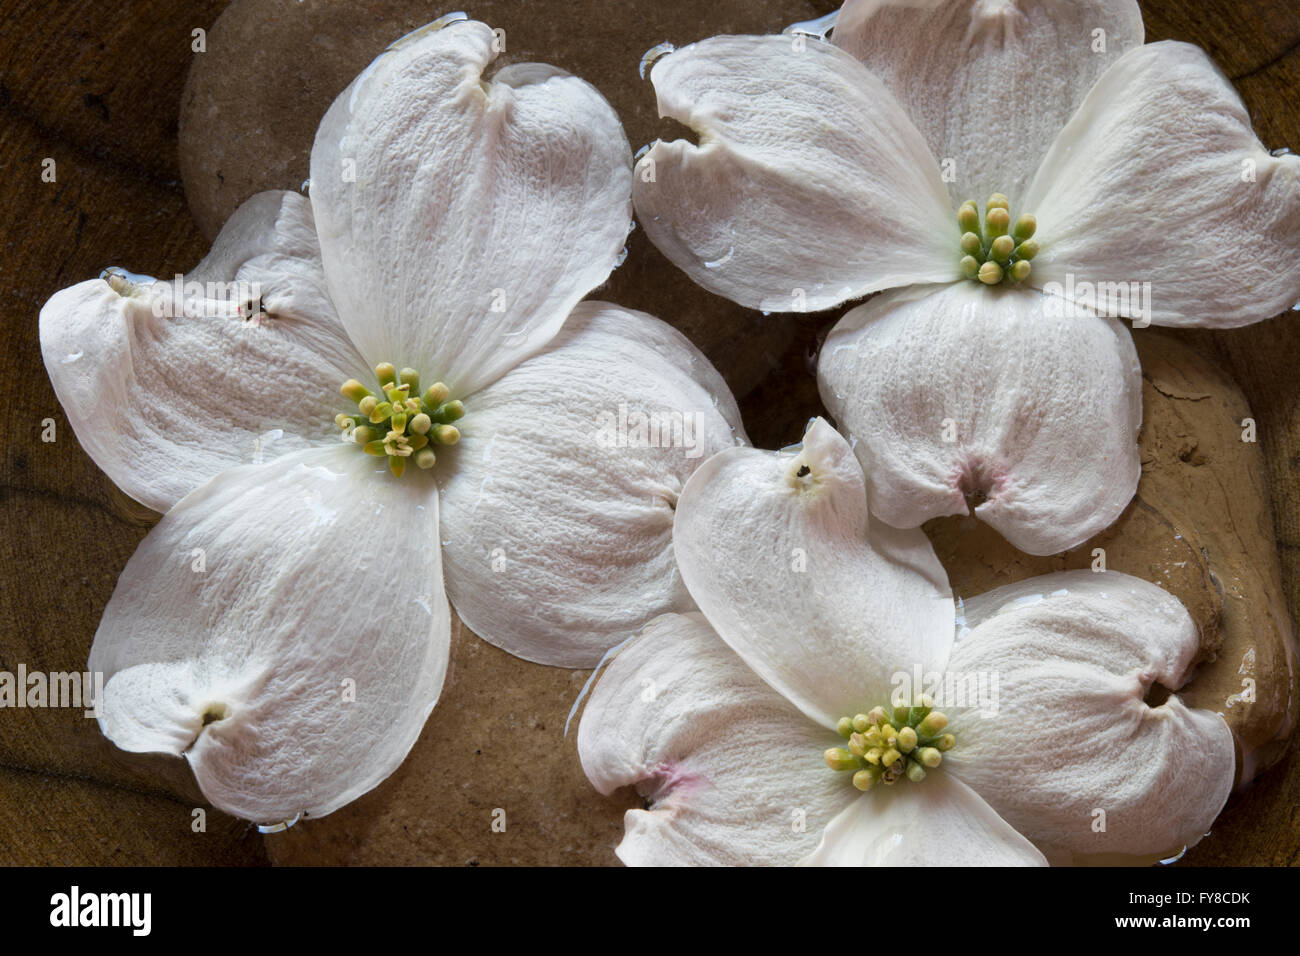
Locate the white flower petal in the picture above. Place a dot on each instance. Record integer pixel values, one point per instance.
(989, 82)
(938, 822)
(809, 186)
(462, 218)
(734, 773)
(971, 390)
(164, 402)
(557, 510)
(302, 597)
(1074, 654)
(1159, 179)
(785, 569)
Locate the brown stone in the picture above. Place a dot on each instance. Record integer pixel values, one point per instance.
(50, 820)
(98, 87)
(1200, 527)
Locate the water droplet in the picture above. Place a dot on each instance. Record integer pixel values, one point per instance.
(1024, 600)
(652, 54)
(124, 282)
(641, 153)
(434, 27)
(278, 827)
(622, 257)
(1174, 859)
(73, 357)
(135, 277)
(1280, 151)
(714, 263)
(631, 226)
(819, 28)
(306, 187)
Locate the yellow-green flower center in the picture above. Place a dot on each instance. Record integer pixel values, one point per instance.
(997, 250)
(403, 423)
(885, 745)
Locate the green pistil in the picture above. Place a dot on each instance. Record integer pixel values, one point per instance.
(998, 249)
(402, 423)
(886, 746)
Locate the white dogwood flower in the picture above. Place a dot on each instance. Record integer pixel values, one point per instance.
(285, 625)
(785, 722)
(1116, 179)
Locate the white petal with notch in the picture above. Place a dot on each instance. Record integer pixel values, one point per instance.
(285, 628)
(1070, 754)
(462, 218)
(1159, 180)
(989, 83)
(809, 185)
(727, 766)
(163, 402)
(778, 553)
(995, 393)
(557, 504)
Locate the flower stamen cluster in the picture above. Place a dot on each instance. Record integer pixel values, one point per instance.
(403, 423)
(885, 746)
(998, 250)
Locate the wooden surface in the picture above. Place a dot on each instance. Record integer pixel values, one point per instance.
(97, 88)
